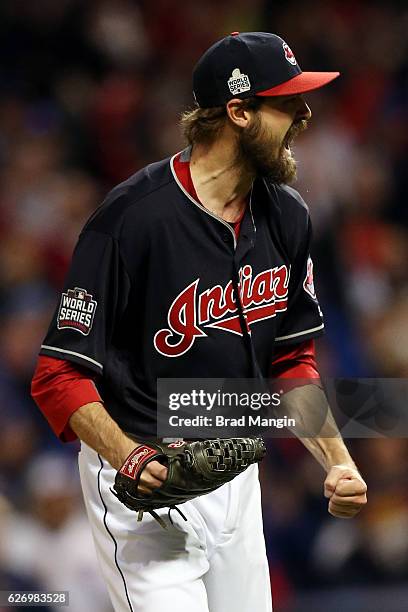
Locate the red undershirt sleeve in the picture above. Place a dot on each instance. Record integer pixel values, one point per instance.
(295, 361)
(59, 388)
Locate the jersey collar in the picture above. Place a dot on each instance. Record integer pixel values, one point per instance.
(180, 169)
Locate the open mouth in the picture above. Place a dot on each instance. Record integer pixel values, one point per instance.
(292, 132)
(289, 138)
(287, 142)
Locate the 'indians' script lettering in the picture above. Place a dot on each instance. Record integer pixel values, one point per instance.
(191, 312)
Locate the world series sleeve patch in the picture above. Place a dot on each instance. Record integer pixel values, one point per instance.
(76, 311)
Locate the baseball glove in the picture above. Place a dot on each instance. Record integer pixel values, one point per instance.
(194, 469)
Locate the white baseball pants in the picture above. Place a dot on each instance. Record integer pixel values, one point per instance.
(213, 562)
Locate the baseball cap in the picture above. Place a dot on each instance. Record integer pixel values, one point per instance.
(248, 64)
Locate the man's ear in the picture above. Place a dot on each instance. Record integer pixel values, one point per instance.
(237, 114)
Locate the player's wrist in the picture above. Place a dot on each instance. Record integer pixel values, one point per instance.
(342, 464)
(123, 451)
(334, 452)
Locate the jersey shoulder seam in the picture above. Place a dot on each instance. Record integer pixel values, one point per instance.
(128, 194)
(292, 194)
(127, 191)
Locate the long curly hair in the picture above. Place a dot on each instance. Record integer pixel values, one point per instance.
(203, 125)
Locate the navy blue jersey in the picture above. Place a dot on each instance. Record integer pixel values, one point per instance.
(153, 285)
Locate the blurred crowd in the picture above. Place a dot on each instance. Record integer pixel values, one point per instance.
(90, 91)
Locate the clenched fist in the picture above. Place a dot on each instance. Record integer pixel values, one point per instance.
(346, 490)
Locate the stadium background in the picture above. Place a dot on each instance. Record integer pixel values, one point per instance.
(90, 91)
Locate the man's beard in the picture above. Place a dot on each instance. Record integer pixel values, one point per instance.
(259, 150)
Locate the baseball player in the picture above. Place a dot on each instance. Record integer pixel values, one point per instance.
(196, 266)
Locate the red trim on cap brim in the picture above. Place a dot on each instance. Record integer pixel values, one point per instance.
(305, 81)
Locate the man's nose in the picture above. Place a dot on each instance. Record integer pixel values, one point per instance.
(303, 111)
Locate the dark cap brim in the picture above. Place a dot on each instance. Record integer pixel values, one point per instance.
(301, 83)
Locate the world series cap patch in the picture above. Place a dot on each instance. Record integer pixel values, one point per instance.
(76, 311)
(238, 82)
